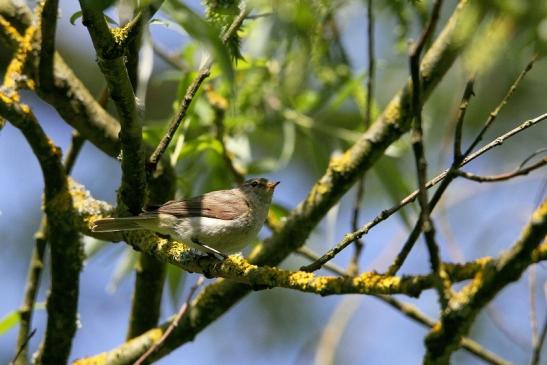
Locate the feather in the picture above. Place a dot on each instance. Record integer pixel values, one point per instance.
(222, 204)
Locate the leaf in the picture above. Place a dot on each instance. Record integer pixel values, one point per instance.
(9, 321)
(201, 144)
(75, 17)
(202, 31)
(275, 215)
(270, 164)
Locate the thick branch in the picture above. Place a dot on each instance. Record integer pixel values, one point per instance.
(341, 174)
(462, 310)
(131, 192)
(237, 269)
(36, 266)
(66, 256)
(68, 95)
(48, 25)
(350, 237)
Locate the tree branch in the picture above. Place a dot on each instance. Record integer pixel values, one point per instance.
(36, 267)
(350, 237)
(457, 319)
(48, 25)
(63, 236)
(203, 73)
(359, 245)
(503, 177)
(131, 192)
(68, 95)
(341, 173)
(239, 270)
(426, 223)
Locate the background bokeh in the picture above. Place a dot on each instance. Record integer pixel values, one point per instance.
(280, 326)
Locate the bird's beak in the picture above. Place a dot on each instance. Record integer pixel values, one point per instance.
(272, 185)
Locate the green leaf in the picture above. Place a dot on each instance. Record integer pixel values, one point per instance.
(75, 17)
(201, 144)
(276, 213)
(9, 321)
(202, 31)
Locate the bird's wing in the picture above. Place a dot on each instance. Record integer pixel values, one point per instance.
(225, 204)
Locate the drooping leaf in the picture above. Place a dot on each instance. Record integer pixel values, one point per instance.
(202, 31)
(75, 17)
(9, 321)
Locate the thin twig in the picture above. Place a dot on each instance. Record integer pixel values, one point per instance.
(503, 177)
(203, 73)
(73, 151)
(413, 313)
(536, 354)
(458, 159)
(350, 237)
(23, 346)
(493, 115)
(220, 104)
(442, 282)
(532, 292)
(415, 233)
(182, 311)
(171, 59)
(359, 244)
(464, 104)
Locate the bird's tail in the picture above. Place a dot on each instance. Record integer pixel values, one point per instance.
(119, 224)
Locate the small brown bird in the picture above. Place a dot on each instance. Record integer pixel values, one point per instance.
(218, 222)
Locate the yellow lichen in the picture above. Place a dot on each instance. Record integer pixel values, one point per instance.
(341, 162)
(9, 30)
(154, 334)
(119, 34)
(99, 359)
(300, 278)
(15, 69)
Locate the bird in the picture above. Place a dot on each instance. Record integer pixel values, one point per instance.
(220, 222)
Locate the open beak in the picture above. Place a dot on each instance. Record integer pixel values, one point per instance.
(272, 185)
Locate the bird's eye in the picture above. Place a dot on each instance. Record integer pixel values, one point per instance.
(254, 184)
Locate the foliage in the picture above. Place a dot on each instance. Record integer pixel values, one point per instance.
(285, 96)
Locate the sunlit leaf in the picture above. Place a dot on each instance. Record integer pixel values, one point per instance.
(200, 30)
(276, 214)
(9, 321)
